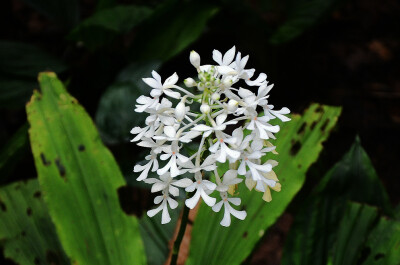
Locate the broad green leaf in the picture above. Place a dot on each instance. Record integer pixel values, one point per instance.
(298, 144)
(313, 232)
(80, 178)
(64, 12)
(171, 29)
(26, 230)
(20, 64)
(12, 152)
(115, 116)
(302, 14)
(156, 236)
(357, 222)
(383, 243)
(101, 28)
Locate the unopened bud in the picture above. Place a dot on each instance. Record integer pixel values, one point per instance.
(189, 82)
(232, 105)
(227, 82)
(217, 82)
(194, 59)
(200, 86)
(204, 108)
(215, 96)
(208, 84)
(180, 111)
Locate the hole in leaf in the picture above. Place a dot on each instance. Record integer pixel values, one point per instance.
(44, 160)
(81, 148)
(302, 128)
(295, 148)
(61, 168)
(323, 127)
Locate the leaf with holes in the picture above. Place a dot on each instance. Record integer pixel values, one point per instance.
(298, 144)
(26, 229)
(80, 178)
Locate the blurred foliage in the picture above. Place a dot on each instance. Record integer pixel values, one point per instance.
(26, 231)
(299, 144)
(63, 12)
(12, 153)
(19, 65)
(343, 221)
(101, 28)
(80, 178)
(315, 227)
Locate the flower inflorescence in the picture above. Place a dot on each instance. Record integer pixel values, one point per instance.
(169, 129)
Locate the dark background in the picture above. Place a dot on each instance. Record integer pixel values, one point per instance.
(349, 57)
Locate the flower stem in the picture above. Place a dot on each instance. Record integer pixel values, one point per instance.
(178, 241)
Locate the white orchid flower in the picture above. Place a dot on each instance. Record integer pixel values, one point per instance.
(229, 210)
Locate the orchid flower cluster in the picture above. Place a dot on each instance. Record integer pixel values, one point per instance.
(223, 106)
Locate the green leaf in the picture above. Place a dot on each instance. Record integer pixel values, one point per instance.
(312, 235)
(156, 236)
(171, 29)
(383, 243)
(302, 14)
(26, 229)
(80, 178)
(101, 28)
(357, 222)
(298, 145)
(64, 12)
(12, 152)
(115, 115)
(20, 64)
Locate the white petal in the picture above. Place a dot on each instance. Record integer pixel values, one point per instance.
(191, 203)
(158, 199)
(173, 190)
(226, 221)
(226, 70)
(165, 215)
(182, 183)
(221, 118)
(217, 57)
(158, 186)
(172, 203)
(152, 83)
(214, 147)
(171, 80)
(165, 156)
(207, 199)
(242, 168)
(153, 212)
(191, 187)
(234, 201)
(238, 214)
(170, 131)
(217, 206)
(229, 55)
(201, 128)
(209, 185)
(172, 94)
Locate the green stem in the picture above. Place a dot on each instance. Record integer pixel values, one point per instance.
(181, 233)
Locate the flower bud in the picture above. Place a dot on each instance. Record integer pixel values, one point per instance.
(215, 96)
(180, 111)
(227, 82)
(208, 84)
(232, 105)
(189, 82)
(194, 59)
(204, 108)
(217, 82)
(200, 86)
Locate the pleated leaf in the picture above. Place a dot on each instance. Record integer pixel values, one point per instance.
(26, 229)
(299, 144)
(79, 178)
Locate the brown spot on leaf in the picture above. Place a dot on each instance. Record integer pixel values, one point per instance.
(295, 148)
(302, 128)
(323, 127)
(44, 161)
(29, 211)
(245, 234)
(319, 109)
(61, 168)
(37, 194)
(81, 148)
